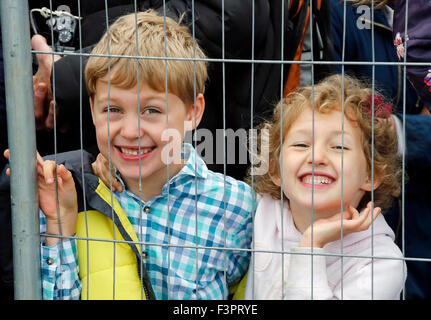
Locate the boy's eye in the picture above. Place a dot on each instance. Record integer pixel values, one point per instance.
(112, 109)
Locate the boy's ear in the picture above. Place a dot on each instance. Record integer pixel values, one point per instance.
(195, 112)
(91, 107)
(377, 181)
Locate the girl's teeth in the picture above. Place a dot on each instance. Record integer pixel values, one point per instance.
(317, 180)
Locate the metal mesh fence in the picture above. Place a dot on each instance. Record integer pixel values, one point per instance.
(197, 250)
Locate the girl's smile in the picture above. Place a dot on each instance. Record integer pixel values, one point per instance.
(321, 180)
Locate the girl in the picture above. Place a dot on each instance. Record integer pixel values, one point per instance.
(319, 166)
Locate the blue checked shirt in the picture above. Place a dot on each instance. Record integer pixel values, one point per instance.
(185, 249)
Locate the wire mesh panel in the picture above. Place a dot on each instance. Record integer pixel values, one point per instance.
(234, 162)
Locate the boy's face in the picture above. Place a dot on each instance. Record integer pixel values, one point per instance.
(329, 176)
(144, 143)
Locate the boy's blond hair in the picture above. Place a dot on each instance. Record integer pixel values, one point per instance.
(154, 32)
(357, 108)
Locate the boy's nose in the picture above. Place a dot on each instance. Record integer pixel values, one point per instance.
(131, 128)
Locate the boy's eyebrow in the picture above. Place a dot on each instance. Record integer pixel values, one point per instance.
(103, 97)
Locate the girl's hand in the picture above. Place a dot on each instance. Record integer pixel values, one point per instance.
(329, 229)
(101, 169)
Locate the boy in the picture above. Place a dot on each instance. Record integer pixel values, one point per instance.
(178, 216)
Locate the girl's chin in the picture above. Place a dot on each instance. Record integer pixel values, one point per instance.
(322, 207)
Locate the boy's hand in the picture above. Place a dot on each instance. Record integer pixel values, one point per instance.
(67, 198)
(329, 229)
(64, 221)
(101, 169)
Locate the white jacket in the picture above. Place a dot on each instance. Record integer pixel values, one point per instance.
(354, 276)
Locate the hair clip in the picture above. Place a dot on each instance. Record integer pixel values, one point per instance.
(381, 109)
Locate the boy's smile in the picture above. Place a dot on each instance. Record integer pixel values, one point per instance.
(132, 153)
(138, 145)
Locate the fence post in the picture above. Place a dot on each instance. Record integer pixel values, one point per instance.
(22, 145)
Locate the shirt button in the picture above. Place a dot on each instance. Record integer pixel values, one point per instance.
(49, 261)
(147, 209)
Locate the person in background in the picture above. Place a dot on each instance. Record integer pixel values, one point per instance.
(416, 144)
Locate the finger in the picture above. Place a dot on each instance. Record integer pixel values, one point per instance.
(49, 121)
(6, 154)
(369, 218)
(39, 43)
(64, 174)
(377, 211)
(103, 160)
(8, 172)
(353, 211)
(117, 185)
(113, 188)
(96, 166)
(39, 98)
(370, 205)
(115, 182)
(49, 167)
(358, 223)
(39, 159)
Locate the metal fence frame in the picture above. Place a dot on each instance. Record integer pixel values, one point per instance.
(21, 129)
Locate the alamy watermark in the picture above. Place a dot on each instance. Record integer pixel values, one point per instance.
(364, 19)
(228, 146)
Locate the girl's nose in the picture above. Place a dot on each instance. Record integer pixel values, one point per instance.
(319, 156)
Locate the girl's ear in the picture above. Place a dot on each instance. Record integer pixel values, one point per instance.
(377, 180)
(274, 173)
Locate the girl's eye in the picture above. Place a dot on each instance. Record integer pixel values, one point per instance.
(151, 111)
(300, 145)
(340, 148)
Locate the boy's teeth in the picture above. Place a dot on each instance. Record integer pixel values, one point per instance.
(317, 180)
(134, 152)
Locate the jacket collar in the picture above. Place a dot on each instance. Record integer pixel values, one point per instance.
(380, 20)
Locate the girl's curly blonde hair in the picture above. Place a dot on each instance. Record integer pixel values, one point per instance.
(328, 96)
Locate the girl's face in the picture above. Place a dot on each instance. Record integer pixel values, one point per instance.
(331, 177)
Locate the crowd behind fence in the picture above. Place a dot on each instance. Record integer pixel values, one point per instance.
(256, 56)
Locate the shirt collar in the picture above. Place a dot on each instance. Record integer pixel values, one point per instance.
(194, 166)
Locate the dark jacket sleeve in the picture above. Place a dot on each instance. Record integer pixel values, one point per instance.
(418, 141)
(6, 256)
